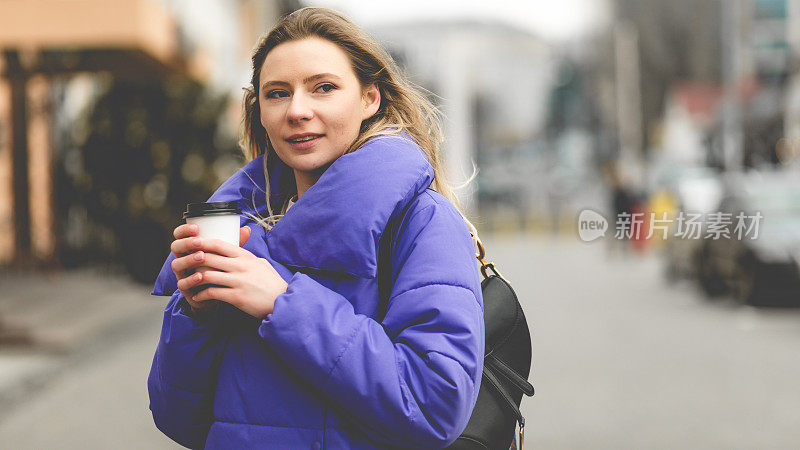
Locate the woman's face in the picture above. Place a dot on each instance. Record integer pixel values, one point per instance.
(312, 103)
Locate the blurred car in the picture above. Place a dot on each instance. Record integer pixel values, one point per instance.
(762, 268)
(696, 190)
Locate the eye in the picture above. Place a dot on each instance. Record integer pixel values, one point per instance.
(276, 93)
(326, 87)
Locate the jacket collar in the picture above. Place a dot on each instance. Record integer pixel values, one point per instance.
(247, 187)
(337, 223)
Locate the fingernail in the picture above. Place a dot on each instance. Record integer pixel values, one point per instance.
(197, 242)
(198, 256)
(198, 276)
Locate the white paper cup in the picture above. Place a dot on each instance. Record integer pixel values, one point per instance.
(215, 220)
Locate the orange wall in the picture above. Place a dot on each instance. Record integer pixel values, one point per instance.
(137, 24)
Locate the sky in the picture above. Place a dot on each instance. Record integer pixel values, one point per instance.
(556, 20)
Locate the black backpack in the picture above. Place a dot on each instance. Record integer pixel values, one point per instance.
(507, 360)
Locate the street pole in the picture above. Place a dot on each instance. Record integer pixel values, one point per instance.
(792, 112)
(628, 100)
(732, 133)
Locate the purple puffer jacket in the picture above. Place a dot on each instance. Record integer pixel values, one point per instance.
(320, 371)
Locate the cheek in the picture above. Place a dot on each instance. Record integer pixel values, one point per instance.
(348, 121)
(265, 122)
(270, 121)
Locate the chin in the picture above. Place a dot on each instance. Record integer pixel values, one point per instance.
(309, 163)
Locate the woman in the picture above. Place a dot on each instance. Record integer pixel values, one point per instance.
(294, 352)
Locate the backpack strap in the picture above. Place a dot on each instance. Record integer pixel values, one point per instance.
(512, 376)
(488, 375)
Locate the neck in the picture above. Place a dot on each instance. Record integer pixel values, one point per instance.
(304, 180)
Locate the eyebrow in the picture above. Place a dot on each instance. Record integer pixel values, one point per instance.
(305, 80)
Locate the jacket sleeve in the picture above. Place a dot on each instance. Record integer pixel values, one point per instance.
(184, 372)
(413, 379)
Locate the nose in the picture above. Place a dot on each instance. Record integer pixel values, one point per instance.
(299, 109)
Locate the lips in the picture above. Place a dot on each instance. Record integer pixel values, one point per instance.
(300, 138)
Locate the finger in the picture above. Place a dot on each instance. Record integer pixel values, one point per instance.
(185, 266)
(220, 247)
(244, 235)
(185, 230)
(217, 262)
(199, 305)
(183, 263)
(187, 283)
(224, 294)
(213, 277)
(182, 247)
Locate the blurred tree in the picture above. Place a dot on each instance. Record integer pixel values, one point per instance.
(141, 152)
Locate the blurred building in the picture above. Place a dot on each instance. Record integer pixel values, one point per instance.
(491, 81)
(702, 82)
(56, 56)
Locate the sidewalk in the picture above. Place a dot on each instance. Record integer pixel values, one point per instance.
(53, 321)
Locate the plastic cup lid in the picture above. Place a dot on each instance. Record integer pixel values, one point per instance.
(211, 209)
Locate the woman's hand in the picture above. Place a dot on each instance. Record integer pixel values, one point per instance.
(184, 264)
(236, 276)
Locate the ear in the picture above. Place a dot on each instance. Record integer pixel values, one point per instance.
(371, 101)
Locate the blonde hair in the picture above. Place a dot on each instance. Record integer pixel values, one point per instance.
(403, 105)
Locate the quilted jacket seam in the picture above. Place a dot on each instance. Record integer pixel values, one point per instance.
(440, 284)
(346, 347)
(452, 359)
(405, 390)
(266, 425)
